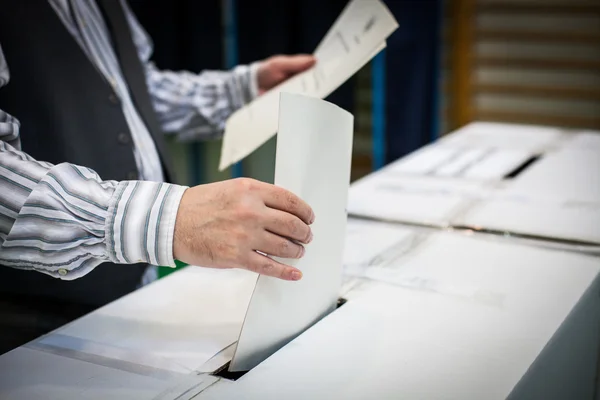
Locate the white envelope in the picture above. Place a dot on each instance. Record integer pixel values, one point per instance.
(314, 151)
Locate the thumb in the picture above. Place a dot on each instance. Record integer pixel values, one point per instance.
(297, 63)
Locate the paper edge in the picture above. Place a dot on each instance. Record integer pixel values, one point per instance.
(346, 114)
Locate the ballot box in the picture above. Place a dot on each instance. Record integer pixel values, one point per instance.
(427, 314)
(537, 182)
(444, 316)
(148, 344)
(444, 295)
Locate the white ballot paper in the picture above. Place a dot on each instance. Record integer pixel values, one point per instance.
(358, 35)
(314, 151)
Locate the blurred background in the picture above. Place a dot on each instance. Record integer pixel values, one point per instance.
(449, 63)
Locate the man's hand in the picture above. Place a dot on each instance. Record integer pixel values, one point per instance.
(277, 69)
(223, 225)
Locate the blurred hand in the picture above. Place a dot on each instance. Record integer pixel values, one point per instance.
(222, 225)
(277, 69)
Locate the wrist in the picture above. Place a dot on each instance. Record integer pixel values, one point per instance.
(253, 81)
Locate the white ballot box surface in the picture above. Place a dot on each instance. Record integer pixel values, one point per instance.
(533, 181)
(455, 318)
(146, 344)
(442, 315)
(433, 310)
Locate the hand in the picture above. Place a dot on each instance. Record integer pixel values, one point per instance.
(223, 225)
(276, 69)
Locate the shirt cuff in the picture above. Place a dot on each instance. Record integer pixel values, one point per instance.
(141, 222)
(242, 86)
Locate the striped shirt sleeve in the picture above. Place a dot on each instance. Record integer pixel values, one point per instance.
(193, 106)
(64, 220)
(196, 106)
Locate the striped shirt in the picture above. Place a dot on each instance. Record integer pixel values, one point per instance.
(63, 220)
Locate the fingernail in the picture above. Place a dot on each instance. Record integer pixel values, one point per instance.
(302, 251)
(312, 218)
(296, 275)
(310, 237)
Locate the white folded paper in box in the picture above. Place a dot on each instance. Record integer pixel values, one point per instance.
(314, 152)
(356, 37)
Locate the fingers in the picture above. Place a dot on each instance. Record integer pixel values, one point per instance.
(288, 226)
(296, 63)
(278, 246)
(284, 200)
(265, 266)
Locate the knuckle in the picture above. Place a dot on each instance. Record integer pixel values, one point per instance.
(285, 247)
(292, 201)
(245, 212)
(267, 268)
(263, 267)
(238, 184)
(292, 227)
(307, 236)
(245, 184)
(299, 251)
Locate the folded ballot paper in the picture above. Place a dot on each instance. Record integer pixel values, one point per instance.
(356, 37)
(314, 149)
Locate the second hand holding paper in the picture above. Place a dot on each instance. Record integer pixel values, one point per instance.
(356, 37)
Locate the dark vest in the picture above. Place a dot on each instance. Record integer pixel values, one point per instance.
(70, 113)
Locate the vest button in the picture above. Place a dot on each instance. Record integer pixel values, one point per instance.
(123, 138)
(132, 175)
(113, 98)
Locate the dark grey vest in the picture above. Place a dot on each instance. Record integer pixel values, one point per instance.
(69, 113)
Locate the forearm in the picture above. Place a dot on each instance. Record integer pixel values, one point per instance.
(197, 106)
(188, 105)
(64, 220)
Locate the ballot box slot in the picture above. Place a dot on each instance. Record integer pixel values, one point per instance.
(522, 167)
(223, 371)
